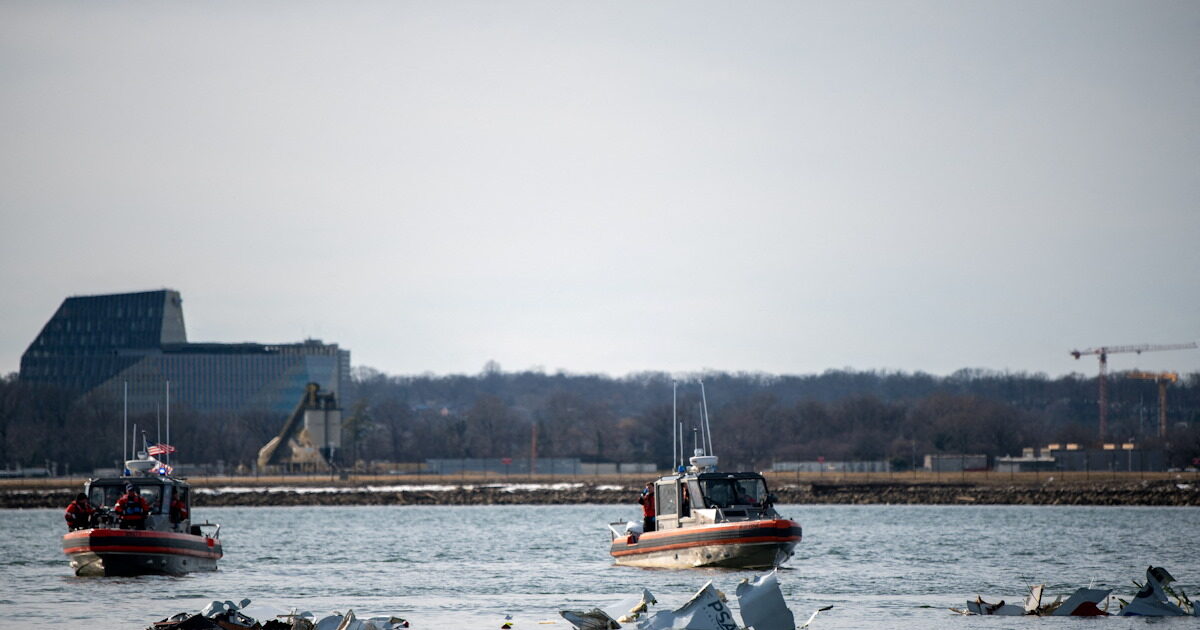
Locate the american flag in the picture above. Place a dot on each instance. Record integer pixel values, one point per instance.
(159, 449)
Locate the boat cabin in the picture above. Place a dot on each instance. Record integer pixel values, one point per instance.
(710, 497)
(158, 491)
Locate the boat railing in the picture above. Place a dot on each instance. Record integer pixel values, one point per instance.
(198, 530)
(621, 529)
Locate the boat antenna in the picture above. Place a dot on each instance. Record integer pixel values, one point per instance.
(707, 426)
(125, 428)
(682, 459)
(168, 453)
(157, 423)
(674, 419)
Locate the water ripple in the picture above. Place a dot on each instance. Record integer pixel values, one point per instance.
(468, 566)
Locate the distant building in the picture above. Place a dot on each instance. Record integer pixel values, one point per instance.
(1112, 457)
(869, 466)
(542, 466)
(1024, 463)
(955, 463)
(102, 342)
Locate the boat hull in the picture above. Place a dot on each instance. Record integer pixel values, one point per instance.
(107, 552)
(741, 545)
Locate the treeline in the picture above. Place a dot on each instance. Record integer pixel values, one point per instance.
(759, 418)
(756, 418)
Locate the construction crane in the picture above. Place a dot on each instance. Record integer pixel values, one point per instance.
(1163, 379)
(1104, 351)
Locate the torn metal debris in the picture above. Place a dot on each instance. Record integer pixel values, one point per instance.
(760, 603)
(230, 616)
(1152, 600)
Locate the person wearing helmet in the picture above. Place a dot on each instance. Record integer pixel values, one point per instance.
(132, 509)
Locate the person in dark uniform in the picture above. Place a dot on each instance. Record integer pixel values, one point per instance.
(647, 501)
(132, 509)
(179, 508)
(79, 513)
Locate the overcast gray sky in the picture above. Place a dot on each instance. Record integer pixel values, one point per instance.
(613, 187)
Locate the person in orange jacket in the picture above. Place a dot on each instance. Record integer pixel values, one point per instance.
(132, 509)
(647, 501)
(79, 513)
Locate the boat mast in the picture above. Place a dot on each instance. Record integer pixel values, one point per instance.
(682, 459)
(168, 454)
(125, 429)
(707, 426)
(674, 419)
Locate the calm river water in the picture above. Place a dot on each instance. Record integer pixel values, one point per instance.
(467, 567)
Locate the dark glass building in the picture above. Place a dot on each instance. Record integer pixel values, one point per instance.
(103, 342)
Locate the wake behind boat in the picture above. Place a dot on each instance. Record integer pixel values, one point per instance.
(168, 542)
(705, 518)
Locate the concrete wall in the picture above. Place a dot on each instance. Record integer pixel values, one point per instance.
(544, 466)
(850, 466)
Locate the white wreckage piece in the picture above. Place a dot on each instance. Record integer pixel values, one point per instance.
(760, 600)
(1084, 602)
(610, 617)
(1151, 599)
(230, 616)
(706, 610)
(350, 622)
(762, 604)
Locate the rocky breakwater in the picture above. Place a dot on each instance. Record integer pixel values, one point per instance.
(1161, 492)
(559, 494)
(1099, 493)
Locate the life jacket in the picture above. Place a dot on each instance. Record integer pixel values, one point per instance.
(647, 501)
(179, 511)
(77, 512)
(133, 508)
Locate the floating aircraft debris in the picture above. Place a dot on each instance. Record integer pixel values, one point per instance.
(760, 602)
(611, 617)
(814, 616)
(1084, 602)
(1151, 601)
(230, 616)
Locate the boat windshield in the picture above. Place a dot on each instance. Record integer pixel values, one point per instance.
(108, 494)
(105, 495)
(725, 493)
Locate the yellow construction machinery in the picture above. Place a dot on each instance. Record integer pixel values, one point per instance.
(1163, 379)
(1104, 351)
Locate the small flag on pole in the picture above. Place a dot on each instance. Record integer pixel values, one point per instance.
(159, 449)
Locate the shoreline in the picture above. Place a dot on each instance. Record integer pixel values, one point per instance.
(1158, 492)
